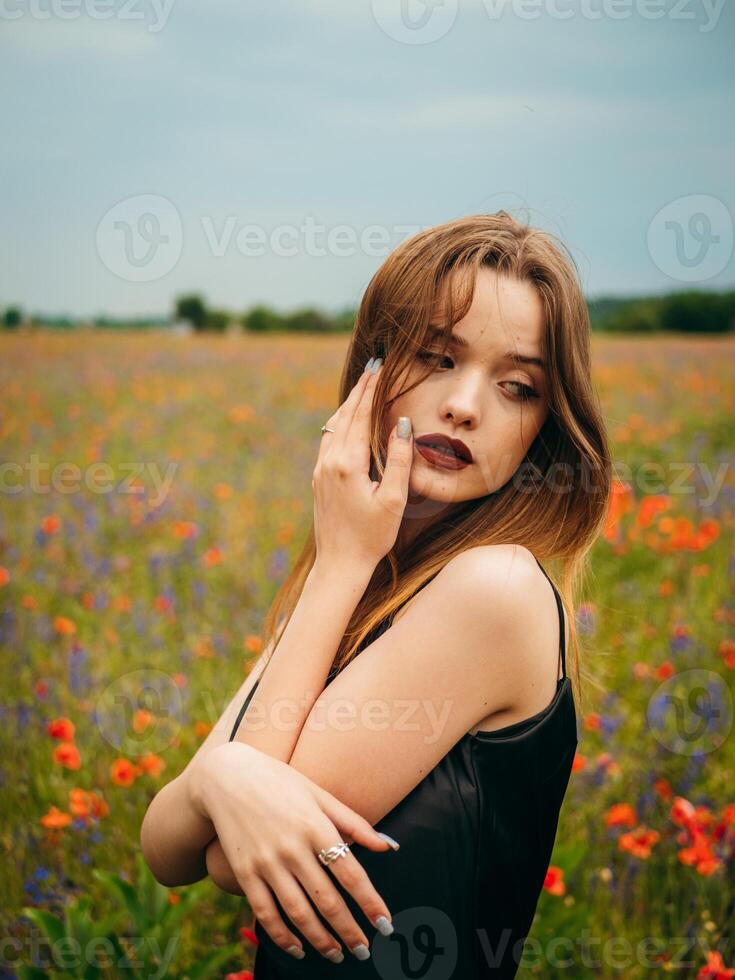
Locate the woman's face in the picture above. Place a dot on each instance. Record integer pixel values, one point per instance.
(476, 393)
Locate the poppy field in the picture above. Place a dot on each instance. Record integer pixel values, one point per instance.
(155, 492)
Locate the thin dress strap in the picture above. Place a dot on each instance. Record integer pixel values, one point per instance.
(560, 610)
(243, 709)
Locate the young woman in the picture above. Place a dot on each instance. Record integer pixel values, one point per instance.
(413, 692)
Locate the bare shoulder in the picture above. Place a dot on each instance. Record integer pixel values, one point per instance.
(508, 611)
(487, 580)
(510, 564)
(528, 613)
(500, 603)
(498, 583)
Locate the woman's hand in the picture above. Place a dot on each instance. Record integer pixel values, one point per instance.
(271, 822)
(355, 516)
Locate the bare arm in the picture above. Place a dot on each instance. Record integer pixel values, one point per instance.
(298, 669)
(174, 833)
(451, 659)
(174, 836)
(480, 655)
(465, 648)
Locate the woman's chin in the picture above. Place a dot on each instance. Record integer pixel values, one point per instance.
(431, 481)
(438, 492)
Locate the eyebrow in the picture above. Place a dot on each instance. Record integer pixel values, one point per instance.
(510, 355)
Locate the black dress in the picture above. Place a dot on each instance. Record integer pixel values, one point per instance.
(476, 838)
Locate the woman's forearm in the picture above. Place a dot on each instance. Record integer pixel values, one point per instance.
(174, 835)
(297, 670)
(220, 870)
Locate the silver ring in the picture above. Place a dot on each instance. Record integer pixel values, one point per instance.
(325, 428)
(329, 854)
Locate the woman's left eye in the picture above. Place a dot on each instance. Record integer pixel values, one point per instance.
(527, 392)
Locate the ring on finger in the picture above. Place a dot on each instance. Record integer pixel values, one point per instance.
(329, 854)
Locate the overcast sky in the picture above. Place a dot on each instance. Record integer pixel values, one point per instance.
(277, 152)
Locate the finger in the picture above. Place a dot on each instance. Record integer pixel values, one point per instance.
(320, 888)
(341, 418)
(393, 489)
(264, 909)
(300, 911)
(354, 879)
(347, 411)
(357, 438)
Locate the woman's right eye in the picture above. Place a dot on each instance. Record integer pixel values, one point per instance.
(430, 357)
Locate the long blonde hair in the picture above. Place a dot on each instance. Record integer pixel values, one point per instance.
(393, 322)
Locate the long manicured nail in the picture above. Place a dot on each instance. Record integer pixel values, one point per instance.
(369, 364)
(296, 952)
(403, 428)
(389, 840)
(384, 926)
(335, 955)
(376, 365)
(361, 952)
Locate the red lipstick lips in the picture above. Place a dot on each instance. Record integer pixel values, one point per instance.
(443, 451)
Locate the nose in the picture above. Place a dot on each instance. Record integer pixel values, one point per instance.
(461, 404)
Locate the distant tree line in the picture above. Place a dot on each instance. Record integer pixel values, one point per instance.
(690, 311)
(14, 318)
(261, 319)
